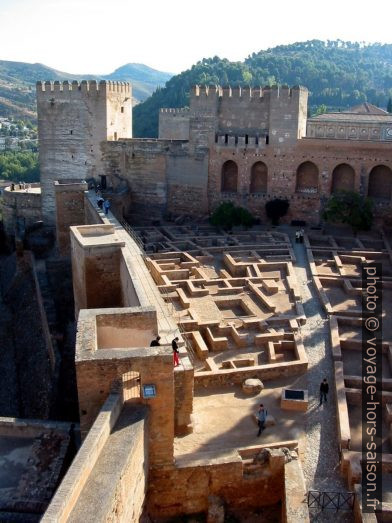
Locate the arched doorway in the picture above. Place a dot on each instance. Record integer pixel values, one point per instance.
(380, 183)
(229, 176)
(343, 178)
(259, 178)
(307, 178)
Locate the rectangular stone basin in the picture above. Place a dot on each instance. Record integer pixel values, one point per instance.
(125, 331)
(293, 399)
(294, 394)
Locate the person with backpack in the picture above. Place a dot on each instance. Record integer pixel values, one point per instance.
(261, 418)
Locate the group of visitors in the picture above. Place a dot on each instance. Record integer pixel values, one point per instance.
(262, 412)
(299, 236)
(103, 204)
(22, 186)
(156, 343)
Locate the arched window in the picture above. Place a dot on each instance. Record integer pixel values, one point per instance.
(258, 178)
(307, 178)
(343, 178)
(229, 176)
(380, 182)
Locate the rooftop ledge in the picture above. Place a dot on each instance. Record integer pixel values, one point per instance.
(96, 236)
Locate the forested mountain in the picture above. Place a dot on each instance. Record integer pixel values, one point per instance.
(17, 84)
(338, 74)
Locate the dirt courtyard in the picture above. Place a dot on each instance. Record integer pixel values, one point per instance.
(223, 419)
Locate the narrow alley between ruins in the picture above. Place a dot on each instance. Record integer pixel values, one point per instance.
(321, 464)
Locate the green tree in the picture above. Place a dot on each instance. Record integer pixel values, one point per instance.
(321, 109)
(389, 106)
(19, 166)
(350, 208)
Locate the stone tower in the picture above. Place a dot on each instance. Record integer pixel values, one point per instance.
(73, 120)
(270, 115)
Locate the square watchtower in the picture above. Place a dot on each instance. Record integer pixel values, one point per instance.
(73, 119)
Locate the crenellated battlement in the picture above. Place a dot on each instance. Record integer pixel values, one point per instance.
(215, 91)
(84, 86)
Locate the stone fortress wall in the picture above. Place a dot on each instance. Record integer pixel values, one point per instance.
(73, 119)
(246, 145)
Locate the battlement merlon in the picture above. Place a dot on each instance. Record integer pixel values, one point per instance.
(284, 92)
(214, 91)
(104, 87)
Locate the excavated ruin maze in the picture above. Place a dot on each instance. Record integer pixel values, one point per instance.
(237, 303)
(335, 264)
(235, 298)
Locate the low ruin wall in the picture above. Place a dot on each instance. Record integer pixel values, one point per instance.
(187, 488)
(20, 207)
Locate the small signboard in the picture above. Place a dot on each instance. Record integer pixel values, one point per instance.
(149, 391)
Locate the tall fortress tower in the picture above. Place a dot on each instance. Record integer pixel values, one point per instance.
(73, 120)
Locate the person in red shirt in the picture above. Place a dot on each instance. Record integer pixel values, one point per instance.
(176, 361)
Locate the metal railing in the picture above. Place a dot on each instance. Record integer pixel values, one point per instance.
(331, 500)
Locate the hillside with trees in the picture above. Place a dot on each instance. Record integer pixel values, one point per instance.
(338, 75)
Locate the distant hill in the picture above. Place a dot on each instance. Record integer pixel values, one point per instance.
(17, 84)
(144, 79)
(338, 74)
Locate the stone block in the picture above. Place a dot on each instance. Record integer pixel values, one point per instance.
(252, 386)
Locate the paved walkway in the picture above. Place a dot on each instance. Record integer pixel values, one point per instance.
(321, 467)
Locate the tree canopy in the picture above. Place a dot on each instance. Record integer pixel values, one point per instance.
(349, 208)
(19, 166)
(338, 75)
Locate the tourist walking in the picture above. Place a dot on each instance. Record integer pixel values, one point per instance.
(155, 342)
(261, 417)
(176, 361)
(324, 388)
(106, 205)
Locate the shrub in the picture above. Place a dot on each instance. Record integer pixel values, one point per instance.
(276, 209)
(227, 215)
(350, 208)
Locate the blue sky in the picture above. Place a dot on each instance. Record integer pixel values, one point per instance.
(96, 36)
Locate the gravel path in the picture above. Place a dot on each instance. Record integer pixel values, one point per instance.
(321, 467)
